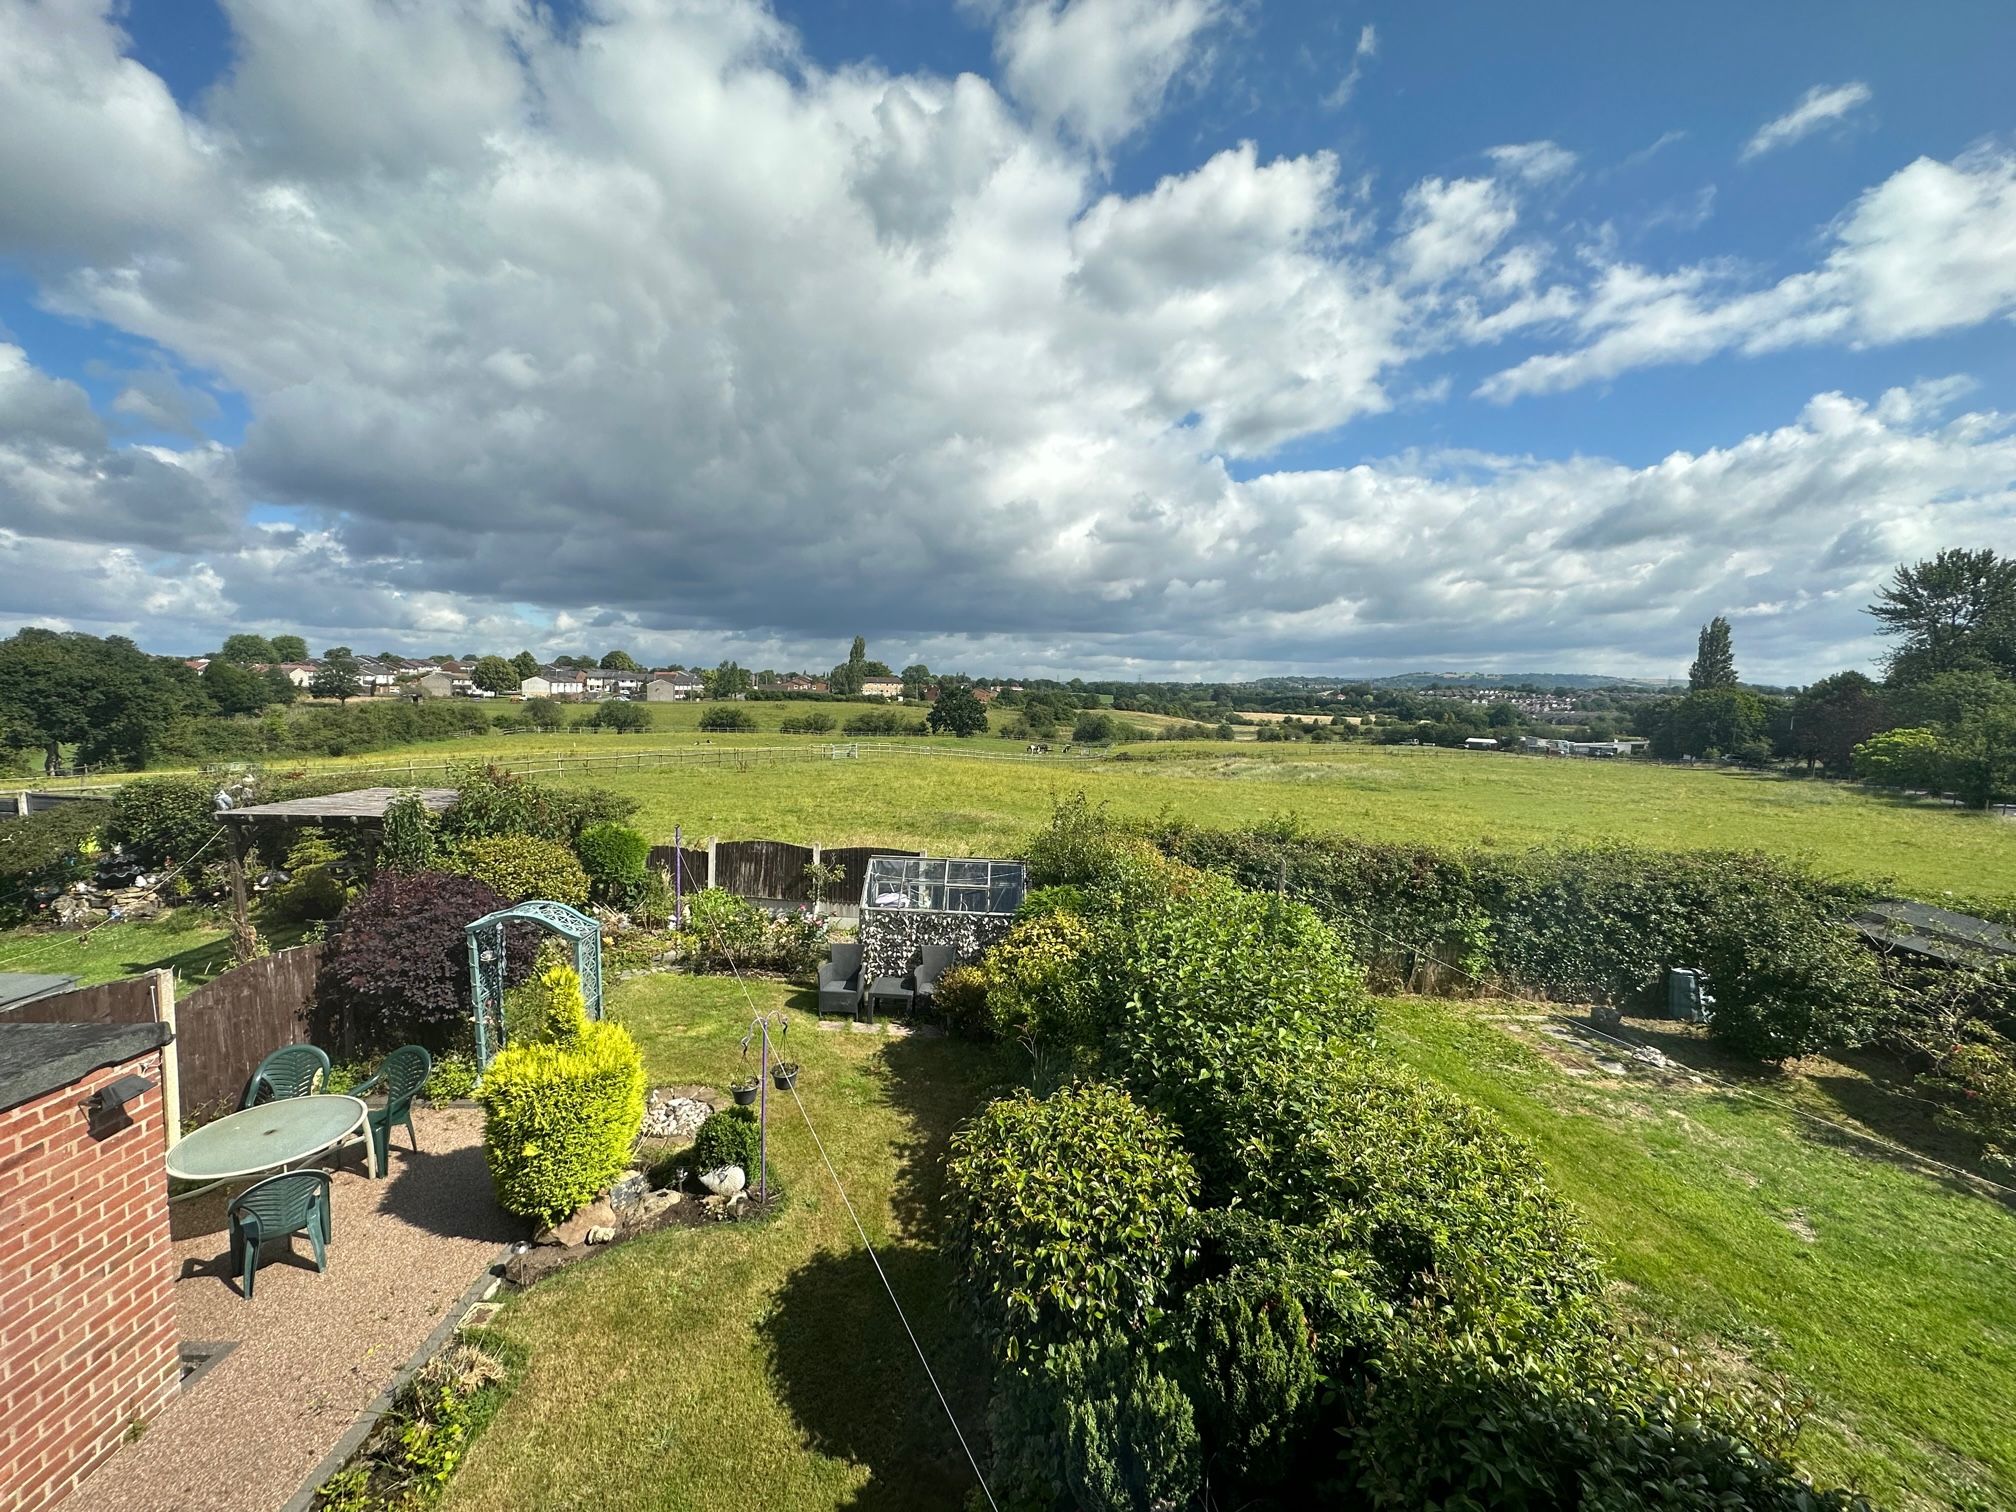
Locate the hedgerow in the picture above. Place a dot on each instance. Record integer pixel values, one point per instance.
(1602, 923)
(1375, 1299)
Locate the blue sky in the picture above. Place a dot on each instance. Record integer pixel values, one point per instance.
(1160, 337)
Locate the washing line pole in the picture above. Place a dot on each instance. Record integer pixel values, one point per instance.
(678, 876)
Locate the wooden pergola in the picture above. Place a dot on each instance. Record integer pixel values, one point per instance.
(360, 809)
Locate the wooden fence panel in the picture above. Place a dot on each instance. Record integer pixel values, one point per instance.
(773, 869)
(130, 1001)
(225, 1028)
(694, 870)
(853, 862)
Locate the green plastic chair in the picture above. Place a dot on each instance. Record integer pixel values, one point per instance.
(403, 1074)
(291, 1071)
(275, 1208)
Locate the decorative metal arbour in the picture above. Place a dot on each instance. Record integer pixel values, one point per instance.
(487, 937)
(943, 884)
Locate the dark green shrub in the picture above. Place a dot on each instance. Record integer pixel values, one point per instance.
(1093, 1426)
(1251, 1370)
(816, 722)
(875, 722)
(164, 821)
(961, 1000)
(622, 717)
(315, 888)
(1601, 923)
(727, 719)
(523, 866)
(1063, 1212)
(729, 1136)
(492, 801)
(615, 857)
(45, 852)
(1465, 1415)
(407, 841)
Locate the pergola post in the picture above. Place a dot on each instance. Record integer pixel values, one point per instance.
(244, 939)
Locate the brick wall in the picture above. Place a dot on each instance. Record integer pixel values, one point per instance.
(87, 1312)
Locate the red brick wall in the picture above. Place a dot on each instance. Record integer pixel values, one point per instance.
(87, 1311)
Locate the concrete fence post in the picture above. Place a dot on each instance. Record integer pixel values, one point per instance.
(171, 1055)
(712, 841)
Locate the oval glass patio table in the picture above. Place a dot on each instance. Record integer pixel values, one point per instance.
(270, 1137)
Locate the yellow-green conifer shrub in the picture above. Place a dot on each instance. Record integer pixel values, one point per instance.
(562, 1112)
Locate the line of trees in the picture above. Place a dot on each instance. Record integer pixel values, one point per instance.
(1942, 719)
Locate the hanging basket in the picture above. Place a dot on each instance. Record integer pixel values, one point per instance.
(784, 1075)
(745, 1092)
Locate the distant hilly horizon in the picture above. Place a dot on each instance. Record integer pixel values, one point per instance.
(1486, 680)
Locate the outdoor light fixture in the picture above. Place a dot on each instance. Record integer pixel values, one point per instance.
(113, 1096)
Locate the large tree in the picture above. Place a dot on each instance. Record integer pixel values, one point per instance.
(525, 664)
(248, 648)
(916, 682)
(619, 661)
(729, 680)
(1953, 612)
(237, 689)
(337, 676)
(958, 712)
(1833, 717)
(1714, 658)
(493, 674)
(289, 648)
(107, 697)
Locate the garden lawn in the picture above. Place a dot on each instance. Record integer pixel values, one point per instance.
(760, 1365)
(1876, 1284)
(194, 942)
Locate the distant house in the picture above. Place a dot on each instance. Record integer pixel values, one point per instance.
(196, 663)
(881, 687)
(300, 673)
(673, 687)
(797, 682)
(607, 682)
(1606, 748)
(448, 681)
(553, 682)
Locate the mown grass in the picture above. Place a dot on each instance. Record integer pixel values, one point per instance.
(194, 942)
(748, 1366)
(1880, 1286)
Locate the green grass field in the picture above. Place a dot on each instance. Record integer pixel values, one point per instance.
(731, 1367)
(1878, 1284)
(194, 942)
(950, 805)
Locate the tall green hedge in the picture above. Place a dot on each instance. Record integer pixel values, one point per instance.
(1788, 974)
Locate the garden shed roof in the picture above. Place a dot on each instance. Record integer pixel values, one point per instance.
(1955, 938)
(361, 806)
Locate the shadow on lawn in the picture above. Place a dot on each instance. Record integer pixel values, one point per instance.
(840, 1360)
(838, 1354)
(1870, 1091)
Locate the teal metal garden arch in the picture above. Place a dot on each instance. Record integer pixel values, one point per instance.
(487, 937)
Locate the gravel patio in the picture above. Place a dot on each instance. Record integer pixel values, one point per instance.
(309, 1352)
